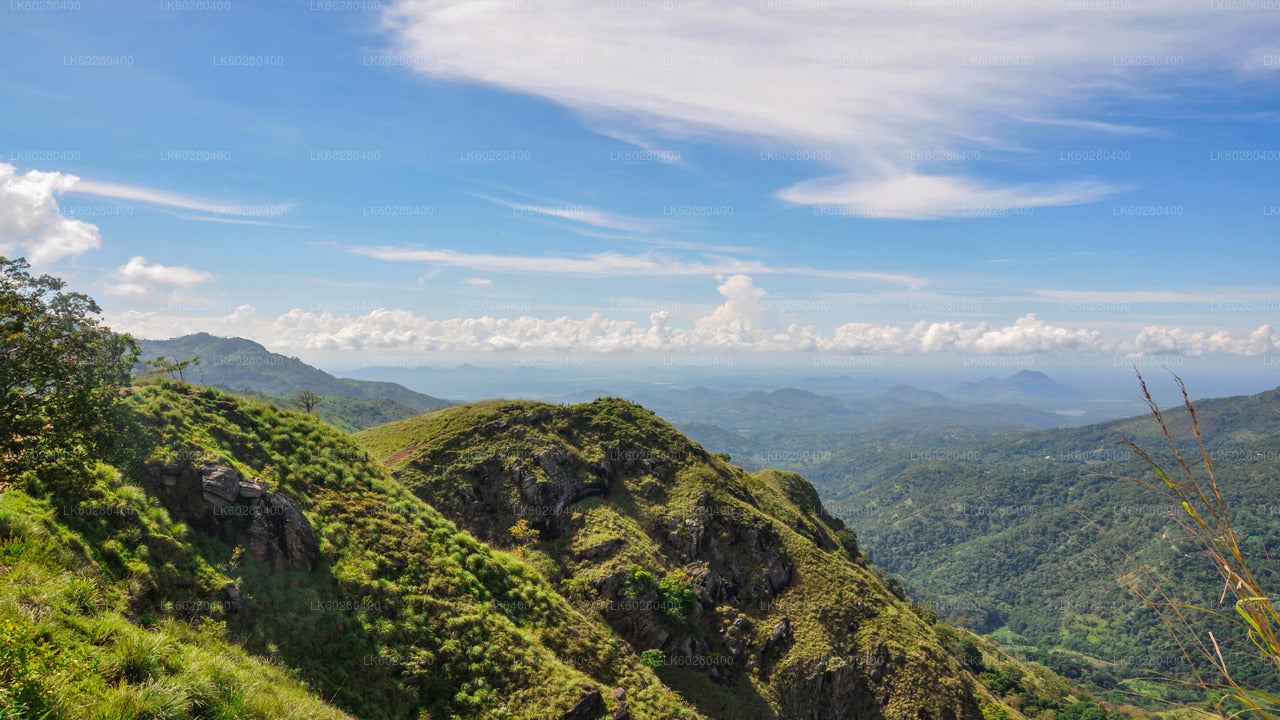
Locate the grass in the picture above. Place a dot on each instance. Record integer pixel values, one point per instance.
(1206, 520)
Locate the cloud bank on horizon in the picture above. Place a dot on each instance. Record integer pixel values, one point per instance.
(741, 324)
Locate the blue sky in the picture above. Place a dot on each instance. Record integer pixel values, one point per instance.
(628, 177)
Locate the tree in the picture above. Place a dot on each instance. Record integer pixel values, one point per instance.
(307, 401)
(61, 373)
(174, 368)
(523, 534)
(849, 541)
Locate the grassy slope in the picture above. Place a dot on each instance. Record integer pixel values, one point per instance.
(467, 461)
(71, 647)
(405, 616)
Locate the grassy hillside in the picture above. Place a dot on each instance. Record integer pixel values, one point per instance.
(335, 575)
(71, 645)
(742, 592)
(1025, 537)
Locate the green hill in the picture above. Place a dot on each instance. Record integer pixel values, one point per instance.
(321, 565)
(247, 367)
(745, 594)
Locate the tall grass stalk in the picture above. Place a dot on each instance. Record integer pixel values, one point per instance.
(1207, 522)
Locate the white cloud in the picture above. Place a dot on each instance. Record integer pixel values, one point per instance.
(137, 277)
(741, 310)
(872, 81)
(739, 325)
(166, 199)
(913, 196)
(478, 282)
(616, 264)
(1207, 296)
(32, 225)
(575, 212)
(1176, 341)
(243, 322)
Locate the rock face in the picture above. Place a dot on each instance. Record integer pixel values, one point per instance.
(279, 533)
(276, 531)
(220, 485)
(589, 707)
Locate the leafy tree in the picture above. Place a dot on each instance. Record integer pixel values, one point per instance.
(173, 368)
(60, 376)
(971, 656)
(523, 534)
(849, 540)
(307, 401)
(992, 711)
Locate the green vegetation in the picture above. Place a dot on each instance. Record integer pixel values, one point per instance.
(194, 554)
(727, 583)
(70, 646)
(1208, 523)
(1016, 536)
(244, 366)
(60, 371)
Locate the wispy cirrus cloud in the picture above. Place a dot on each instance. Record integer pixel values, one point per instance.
(178, 201)
(616, 264)
(876, 82)
(594, 217)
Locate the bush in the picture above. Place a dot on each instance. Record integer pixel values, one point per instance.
(653, 658)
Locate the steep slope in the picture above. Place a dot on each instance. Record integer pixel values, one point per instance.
(738, 588)
(1016, 535)
(231, 511)
(71, 645)
(245, 366)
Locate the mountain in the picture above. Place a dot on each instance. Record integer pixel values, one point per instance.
(749, 598)
(245, 366)
(802, 411)
(1027, 385)
(230, 559)
(916, 396)
(1023, 535)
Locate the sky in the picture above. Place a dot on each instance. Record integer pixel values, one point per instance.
(930, 180)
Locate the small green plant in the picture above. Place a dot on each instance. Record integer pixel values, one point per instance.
(653, 658)
(523, 534)
(992, 711)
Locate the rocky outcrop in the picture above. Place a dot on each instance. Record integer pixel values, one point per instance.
(280, 535)
(546, 497)
(220, 485)
(589, 707)
(215, 498)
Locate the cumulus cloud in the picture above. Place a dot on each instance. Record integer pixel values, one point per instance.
(879, 86)
(740, 324)
(32, 225)
(139, 276)
(243, 322)
(741, 311)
